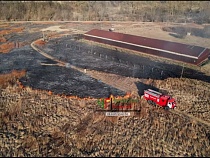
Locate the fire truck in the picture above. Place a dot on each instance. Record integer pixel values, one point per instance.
(157, 98)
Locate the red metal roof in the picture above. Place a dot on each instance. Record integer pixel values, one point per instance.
(190, 51)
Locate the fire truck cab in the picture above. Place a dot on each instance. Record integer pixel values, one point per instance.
(157, 98)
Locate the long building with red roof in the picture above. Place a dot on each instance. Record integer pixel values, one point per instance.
(171, 50)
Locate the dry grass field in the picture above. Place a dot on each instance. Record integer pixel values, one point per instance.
(37, 122)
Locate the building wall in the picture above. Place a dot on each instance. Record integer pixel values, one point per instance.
(146, 50)
(203, 57)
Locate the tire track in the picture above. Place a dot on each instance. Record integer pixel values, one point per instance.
(126, 84)
(181, 113)
(46, 55)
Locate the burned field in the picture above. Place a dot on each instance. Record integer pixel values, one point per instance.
(53, 78)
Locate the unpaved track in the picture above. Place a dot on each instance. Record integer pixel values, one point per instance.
(126, 84)
(176, 111)
(46, 55)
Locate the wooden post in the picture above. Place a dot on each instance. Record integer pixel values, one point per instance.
(43, 36)
(182, 71)
(91, 49)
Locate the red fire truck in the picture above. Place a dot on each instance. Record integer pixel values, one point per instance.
(157, 98)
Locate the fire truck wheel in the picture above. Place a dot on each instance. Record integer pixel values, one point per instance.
(166, 108)
(154, 104)
(149, 102)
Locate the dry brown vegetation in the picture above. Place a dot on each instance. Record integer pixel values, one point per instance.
(10, 78)
(11, 30)
(40, 42)
(6, 47)
(157, 11)
(2, 39)
(36, 123)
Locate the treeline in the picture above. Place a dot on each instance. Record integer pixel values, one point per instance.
(151, 11)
